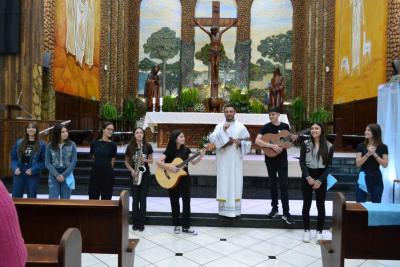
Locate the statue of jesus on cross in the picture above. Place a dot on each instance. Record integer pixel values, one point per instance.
(215, 37)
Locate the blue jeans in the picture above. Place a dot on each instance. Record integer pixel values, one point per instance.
(58, 190)
(374, 186)
(22, 181)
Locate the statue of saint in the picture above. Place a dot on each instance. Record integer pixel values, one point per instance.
(276, 90)
(215, 48)
(152, 88)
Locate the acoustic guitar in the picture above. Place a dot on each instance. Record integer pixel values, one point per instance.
(168, 179)
(283, 139)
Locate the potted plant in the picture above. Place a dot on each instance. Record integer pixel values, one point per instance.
(169, 103)
(256, 106)
(240, 99)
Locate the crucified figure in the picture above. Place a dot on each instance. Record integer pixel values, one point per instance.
(215, 49)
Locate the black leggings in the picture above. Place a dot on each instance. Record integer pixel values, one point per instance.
(320, 195)
(181, 190)
(139, 195)
(101, 183)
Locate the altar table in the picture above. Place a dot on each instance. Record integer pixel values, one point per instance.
(196, 125)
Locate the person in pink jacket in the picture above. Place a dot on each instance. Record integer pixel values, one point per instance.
(12, 251)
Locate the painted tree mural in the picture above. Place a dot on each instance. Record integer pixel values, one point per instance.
(163, 45)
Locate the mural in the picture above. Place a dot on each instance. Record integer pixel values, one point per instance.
(271, 37)
(360, 53)
(160, 29)
(76, 52)
(228, 9)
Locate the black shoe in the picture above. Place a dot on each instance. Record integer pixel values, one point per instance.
(287, 218)
(141, 228)
(272, 214)
(135, 227)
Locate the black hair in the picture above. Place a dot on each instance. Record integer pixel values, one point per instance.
(323, 144)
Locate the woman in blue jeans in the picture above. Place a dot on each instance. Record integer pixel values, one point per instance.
(370, 156)
(61, 157)
(27, 160)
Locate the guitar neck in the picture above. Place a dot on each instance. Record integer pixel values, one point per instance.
(184, 163)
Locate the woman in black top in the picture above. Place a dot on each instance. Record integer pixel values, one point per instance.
(104, 152)
(138, 155)
(176, 148)
(315, 157)
(370, 155)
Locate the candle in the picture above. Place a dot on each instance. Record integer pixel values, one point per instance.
(161, 101)
(154, 100)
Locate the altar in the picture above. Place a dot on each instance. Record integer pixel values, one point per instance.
(196, 125)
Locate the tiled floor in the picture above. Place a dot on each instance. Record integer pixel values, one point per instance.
(220, 247)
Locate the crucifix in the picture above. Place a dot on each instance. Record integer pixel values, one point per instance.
(215, 37)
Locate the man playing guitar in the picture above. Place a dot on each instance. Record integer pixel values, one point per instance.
(276, 165)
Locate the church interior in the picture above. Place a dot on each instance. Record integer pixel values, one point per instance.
(117, 116)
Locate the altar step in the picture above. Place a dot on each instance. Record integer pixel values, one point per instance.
(244, 221)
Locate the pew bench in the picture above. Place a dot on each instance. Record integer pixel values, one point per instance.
(352, 238)
(103, 224)
(68, 253)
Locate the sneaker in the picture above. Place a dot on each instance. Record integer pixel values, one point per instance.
(177, 230)
(318, 236)
(135, 227)
(287, 218)
(273, 213)
(306, 236)
(141, 228)
(189, 231)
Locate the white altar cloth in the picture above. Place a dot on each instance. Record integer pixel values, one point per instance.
(154, 118)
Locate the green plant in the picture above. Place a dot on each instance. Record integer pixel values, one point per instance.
(108, 111)
(240, 100)
(298, 112)
(321, 115)
(256, 106)
(189, 98)
(129, 110)
(169, 103)
(199, 107)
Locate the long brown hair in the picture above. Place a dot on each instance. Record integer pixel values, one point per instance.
(132, 146)
(25, 140)
(376, 133)
(56, 137)
(323, 145)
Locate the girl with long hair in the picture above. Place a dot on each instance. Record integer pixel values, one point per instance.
(370, 156)
(176, 148)
(104, 152)
(139, 154)
(27, 160)
(315, 158)
(61, 157)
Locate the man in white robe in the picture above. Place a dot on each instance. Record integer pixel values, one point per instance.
(227, 137)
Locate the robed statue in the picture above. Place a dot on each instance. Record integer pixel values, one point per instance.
(276, 90)
(152, 89)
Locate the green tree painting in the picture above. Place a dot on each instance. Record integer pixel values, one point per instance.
(277, 48)
(162, 45)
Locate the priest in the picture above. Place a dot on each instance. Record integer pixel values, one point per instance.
(230, 138)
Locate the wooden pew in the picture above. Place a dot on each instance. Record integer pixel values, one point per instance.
(67, 254)
(103, 224)
(352, 238)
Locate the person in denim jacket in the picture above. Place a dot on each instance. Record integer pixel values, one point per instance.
(27, 160)
(61, 157)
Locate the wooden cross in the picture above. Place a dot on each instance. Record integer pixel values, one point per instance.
(215, 21)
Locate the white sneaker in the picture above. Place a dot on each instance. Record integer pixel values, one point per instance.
(318, 236)
(306, 236)
(177, 230)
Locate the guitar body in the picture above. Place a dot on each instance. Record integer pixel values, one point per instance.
(282, 139)
(167, 179)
